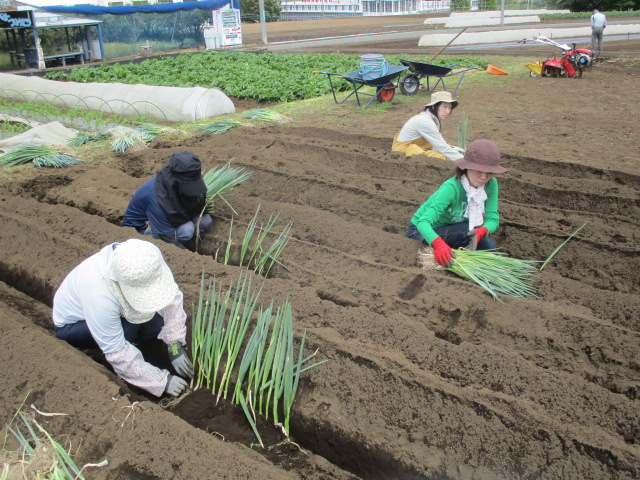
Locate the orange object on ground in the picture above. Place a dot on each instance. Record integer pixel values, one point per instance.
(493, 70)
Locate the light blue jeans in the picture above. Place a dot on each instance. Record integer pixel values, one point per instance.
(454, 235)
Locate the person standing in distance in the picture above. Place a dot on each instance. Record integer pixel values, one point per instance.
(598, 24)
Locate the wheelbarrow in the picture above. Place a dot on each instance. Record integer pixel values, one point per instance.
(385, 85)
(410, 83)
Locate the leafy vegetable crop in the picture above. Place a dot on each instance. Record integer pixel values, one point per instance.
(259, 76)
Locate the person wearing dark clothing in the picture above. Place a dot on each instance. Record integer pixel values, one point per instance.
(169, 205)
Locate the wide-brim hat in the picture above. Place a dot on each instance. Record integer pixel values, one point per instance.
(442, 96)
(483, 156)
(143, 276)
(187, 168)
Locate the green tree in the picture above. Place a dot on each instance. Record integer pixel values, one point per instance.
(251, 9)
(602, 5)
(488, 5)
(460, 5)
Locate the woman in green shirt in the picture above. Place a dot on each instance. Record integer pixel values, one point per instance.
(463, 212)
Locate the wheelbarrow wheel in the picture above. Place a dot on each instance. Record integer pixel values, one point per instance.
(410, 84)
(386, 93)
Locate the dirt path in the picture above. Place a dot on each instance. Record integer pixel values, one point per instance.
(428, 377)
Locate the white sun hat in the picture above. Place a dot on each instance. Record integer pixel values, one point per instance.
(143, 277)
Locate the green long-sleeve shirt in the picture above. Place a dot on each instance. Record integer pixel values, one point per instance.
(448, 204)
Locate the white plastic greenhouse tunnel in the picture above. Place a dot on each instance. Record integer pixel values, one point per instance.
(173, 104)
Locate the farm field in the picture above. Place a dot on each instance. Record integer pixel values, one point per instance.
(428, 377)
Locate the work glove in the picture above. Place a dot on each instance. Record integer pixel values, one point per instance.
(442, 252)
(180, 360)
(175, 385)
(459, 150)
(475, 236)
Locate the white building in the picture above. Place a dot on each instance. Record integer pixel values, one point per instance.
(314, 9)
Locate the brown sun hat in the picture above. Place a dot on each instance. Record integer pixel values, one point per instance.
(483, 156)
(442, 96)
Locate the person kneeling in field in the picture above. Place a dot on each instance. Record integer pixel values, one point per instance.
(421, 134)
(463, 212)
(168, 205)
(121, 296)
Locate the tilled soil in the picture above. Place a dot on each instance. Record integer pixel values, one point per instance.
(428, 376)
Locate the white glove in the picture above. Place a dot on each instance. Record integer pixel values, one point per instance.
(459, 150)
(180, 360)
(175, 386)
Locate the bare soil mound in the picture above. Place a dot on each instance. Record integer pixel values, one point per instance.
(428, 377)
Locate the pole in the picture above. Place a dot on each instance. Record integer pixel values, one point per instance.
(263, 22)
(501, 12)
(450, 42)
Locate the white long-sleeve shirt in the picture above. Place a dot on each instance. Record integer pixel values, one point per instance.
(84, 295)
(598, 20)
(425, 125)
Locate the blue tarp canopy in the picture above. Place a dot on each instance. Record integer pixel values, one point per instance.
(129, 9)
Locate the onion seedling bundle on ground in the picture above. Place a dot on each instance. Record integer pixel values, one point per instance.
(218, 127)
(39, 155)
(125, 139)
(88, 137)
(40, 455)
(266, 115)
(494, 271)
(268, 374)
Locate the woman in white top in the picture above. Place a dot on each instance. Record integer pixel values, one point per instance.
(421, 134)
(122, 296)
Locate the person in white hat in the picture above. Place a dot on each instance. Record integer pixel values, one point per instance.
(463, 212)
(122, 296)
(421, 135)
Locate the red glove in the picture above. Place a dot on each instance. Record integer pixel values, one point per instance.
(481, 232)
(442, 252)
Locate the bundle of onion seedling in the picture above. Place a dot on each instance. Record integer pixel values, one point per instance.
(266, 115)
(496, 272)
(40, 454)
(40, 155)
(219, 180)
(219, 126)
(128, 139)
(151, 128)
(268, 375)
(87, 137)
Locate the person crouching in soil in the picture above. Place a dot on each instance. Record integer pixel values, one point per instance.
(169, 204)
(463, 212)
(122, 296)
(421, 134)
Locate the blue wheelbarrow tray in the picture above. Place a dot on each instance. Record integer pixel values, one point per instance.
(384, 85)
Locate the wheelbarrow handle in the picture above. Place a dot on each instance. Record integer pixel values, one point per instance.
(327, 73)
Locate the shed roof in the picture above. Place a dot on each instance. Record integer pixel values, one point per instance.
(54, 20)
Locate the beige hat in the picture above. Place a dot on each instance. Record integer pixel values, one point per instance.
(482, 156)
(145, 280)
(442, 96)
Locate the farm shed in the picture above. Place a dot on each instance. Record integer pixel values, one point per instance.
(83, 38)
